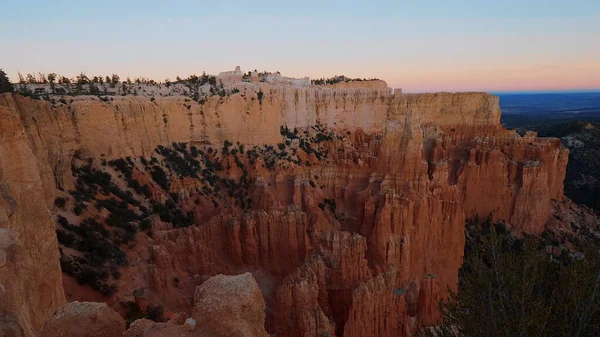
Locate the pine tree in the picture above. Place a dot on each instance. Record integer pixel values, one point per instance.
(511, 286)
(5, 85)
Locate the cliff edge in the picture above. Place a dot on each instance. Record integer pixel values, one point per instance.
(353, 215)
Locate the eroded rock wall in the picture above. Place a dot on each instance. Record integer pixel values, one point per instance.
(30, 277)
(415, 167)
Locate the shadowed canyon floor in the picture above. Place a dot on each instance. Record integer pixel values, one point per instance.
(342, 206)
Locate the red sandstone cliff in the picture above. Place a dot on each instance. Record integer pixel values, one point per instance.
(30, 277)
(404, 174)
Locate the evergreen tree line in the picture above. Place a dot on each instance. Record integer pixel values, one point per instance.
(511, 286)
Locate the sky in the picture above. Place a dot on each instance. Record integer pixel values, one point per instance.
(419, 46)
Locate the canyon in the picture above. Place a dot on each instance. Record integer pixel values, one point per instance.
(341, 207)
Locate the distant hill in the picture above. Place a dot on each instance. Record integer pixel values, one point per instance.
(537, 109)
(532, 103)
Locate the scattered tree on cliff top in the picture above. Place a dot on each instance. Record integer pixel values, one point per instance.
(338, 79)
(514, 287)
(5, 84)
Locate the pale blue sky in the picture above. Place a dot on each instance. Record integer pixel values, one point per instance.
(416, 45)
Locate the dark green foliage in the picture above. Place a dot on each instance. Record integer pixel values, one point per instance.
(169, 212)
(513, 287)
(331, 204)
(91, 181)
(194, 151)
(180, 160)
(65, 237)
(155, 313)
(143, 190)
(60, 202)
(284, 131)
(226, 145)
(582, 181)
(339, 79)
(126, 167)
(252, 155)
(159, 175)
(133, 312)
(122, 218)
(194, 82)
(238, 162)
(5, 84)
(94, 242)
(86, 273)
(114, 272)
(79, 208)
(323, 137)
(123, 166)
(63, 221)
(260, 95)
(99, 246)
(270, 163)
(93, 90)
(145, 225)
(305, 146)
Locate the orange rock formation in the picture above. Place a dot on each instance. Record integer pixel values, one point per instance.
(410, 170)
(84, 319)
(224, 306)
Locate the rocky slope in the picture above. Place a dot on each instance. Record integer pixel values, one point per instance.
(346, 202)
(223, 306)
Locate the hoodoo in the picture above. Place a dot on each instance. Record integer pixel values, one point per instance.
(344, 203)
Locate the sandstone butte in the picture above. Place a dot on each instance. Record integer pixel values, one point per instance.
(420, 165)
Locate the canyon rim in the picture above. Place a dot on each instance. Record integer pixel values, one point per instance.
(297, 208)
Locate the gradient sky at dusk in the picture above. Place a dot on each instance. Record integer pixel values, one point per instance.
(530, 45)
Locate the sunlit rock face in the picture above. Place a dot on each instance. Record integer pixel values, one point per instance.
(346, 202)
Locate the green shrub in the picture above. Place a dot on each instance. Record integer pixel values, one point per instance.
(5, 84)
(260, 95)
(159, 175)
(60, 202)
(155, 313)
